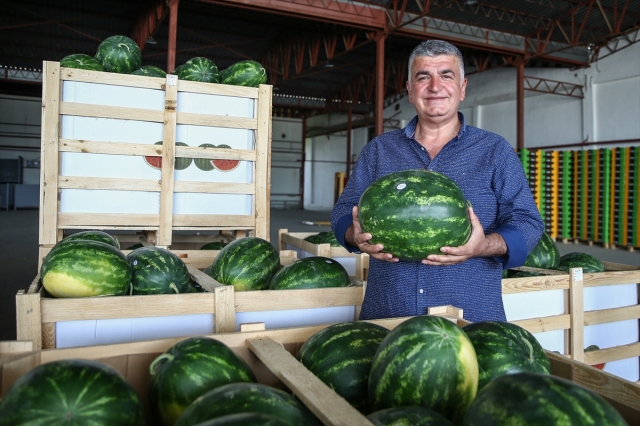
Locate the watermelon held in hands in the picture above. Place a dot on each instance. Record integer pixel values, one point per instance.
(225, 165)
(592, 348)
(426, 361)
(409, 416)
(189, 369)
(81, 61)
(84, 268)
(545, 254)
(198, 69)
(535, 399)
(150, 71)
(93, 235)
(243, 397)
(181, 163)
(587, 262)
(157, 271)
(244, 73)
(505, 348)
(340, 355)
(247, 264)
(414, 213)
(310, 272)
(119, 54)
(71, 392)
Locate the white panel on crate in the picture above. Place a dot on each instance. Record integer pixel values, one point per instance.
(298, 317)
(533, 304)
(109, 201)
(625, 368)
(107, 166)
(613, 296)
(551, 340)
(215, 104)
(112, 95)
(111, 130)
(71, 334)
(615, 334)
(219, 204)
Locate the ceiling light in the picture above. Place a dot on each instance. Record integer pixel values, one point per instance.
(150, 40)
(470, 2)
(329, 65)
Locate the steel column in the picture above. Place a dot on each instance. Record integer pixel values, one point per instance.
(173, 34)
(349, 118)
(520, 104)
(380, 83)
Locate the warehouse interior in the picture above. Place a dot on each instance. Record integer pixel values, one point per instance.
(560, 80)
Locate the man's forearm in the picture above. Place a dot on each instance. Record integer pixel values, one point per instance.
(495, 246)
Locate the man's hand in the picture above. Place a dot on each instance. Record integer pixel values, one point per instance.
(479, 245)
(356, 237)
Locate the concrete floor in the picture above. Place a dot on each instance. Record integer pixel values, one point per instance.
(19, 252)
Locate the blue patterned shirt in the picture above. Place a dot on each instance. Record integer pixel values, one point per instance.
(490, 174)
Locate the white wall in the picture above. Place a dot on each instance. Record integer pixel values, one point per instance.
(286, 162)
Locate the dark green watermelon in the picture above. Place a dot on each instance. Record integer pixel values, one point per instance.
(189, 369)
(247, 397)
(310, 272)
(244, 73)
(325, 237)
(157, 271)
(522, 274)
(81, 61)
(414, 213)
(198, 69)
(150, 71)
(505, 348)
(181, 163)
(204, 164)
(92, 235)
(83, 268)
(246, 263)
(426, 361)
(245, 419)
(71, 392)
(545, 254)
(340, 355)
(135, 246)
(119, 54)
(535, 399)
(587, 262)
(214, 245)
(408, 416)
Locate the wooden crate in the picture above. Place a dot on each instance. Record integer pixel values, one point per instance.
(271, 354)
(296, 241)
(38, 315)
(79, 110)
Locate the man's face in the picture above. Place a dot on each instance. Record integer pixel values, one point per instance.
(435, 89)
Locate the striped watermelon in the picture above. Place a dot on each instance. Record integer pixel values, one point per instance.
(545, 254)
(592, 348)
(119, 54)
(150, 71)
(198, 69)
(413, 213)
(134, 246)
(84, 268)
(534, 399)
(246, 263)
(324, 238)
(92, 235)
(247, 397)
(157, 271)
(181, 163)
(426, 361)
(505, 348)
(587, 262)
(408, 416)
(71, 392)
(310, 272)
(213, 245)
(246, 419)
(244, 73)
(204, 164)
(81, 61)
(340, 355)
(189, 369)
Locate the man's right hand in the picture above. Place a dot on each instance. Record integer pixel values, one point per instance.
(356, 237)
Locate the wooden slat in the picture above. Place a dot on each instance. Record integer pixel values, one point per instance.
(213, 221)
(168, 161)
(211, 120)
(73, 74)
(225, 314)
(252, 326)
(214, 187)
(603, 316)
(327, 406)
(107, 111)
(612, 266)
(611, 278)
(576, 309)
(29, 318)
(631, 350)
(15, 346)
(216, 153)
(49, 170)
(113, 148)
(276, 300)
(540, 283)
(540, 325)
(218, 89)
(203, 279)
(103, 183)
(261, 205)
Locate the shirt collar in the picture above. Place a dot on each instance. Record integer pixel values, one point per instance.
(410, 130)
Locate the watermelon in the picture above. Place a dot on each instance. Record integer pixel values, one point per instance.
(246, 263)
(247, 397)
(505, 348)
(71, 392)
(189, 369)
(325, 237)
(522, 274)
(225, 165)
(157, 271)
(592, 348)
(204, 164)
(535, 399)
(340, 355)
(85, 268)
(244, 73)
(119, 54)
(198, 69)
(310, 272)
(408, 416)
(587, 262)
(81, 61)
(93, 235)
(413, 213)
(213, 245)
(545, 254)
(246, 419)
(426, 361)
(135, 246)
(156, 161)
(150, 71)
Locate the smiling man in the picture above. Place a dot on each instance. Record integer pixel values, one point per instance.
(506, 224)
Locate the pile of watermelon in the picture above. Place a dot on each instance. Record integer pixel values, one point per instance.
(247, 73)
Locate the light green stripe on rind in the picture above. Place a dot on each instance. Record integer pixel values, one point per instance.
(311, 272)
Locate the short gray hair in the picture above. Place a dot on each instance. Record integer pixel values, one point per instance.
(433, 48)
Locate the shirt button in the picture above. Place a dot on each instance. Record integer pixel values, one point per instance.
(421, 291)
(422, 148)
